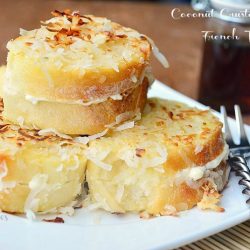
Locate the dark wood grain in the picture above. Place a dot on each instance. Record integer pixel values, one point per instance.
(179, 40)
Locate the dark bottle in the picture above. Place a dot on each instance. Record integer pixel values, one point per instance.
(225, 69)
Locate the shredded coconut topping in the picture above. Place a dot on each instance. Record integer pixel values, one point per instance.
(52, 131)
(83, 41)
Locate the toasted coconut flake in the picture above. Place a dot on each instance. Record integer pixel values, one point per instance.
(121, 36)
(28, 43)
(210, 199)
(170, 115)
(55, 220)
(94, 34)
(139, 152)
(56, 13)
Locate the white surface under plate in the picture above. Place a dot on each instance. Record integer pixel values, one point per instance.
(100, 230)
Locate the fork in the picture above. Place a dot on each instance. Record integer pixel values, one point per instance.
(238, 152)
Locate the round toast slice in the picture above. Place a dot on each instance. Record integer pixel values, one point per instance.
(40, 171)
(74, 57)
(170, 160)
(76, 67)
(75, 119)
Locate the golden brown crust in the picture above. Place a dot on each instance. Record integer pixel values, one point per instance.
(209, 151)
(198, 148)
(74, 118)
(183, 196)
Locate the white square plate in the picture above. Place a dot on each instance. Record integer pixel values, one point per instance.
(100, 230)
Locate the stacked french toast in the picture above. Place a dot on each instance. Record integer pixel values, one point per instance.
(75, 119)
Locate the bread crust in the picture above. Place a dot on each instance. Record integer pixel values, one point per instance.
(183, 196)
(50, 83)
(74, 118)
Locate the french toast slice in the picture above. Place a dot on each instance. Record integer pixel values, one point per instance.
(75, 57)
(74, 68)
(169, 161)
(39, 171)
(75, 119)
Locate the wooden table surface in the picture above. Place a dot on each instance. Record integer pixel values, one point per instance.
(179, 40)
